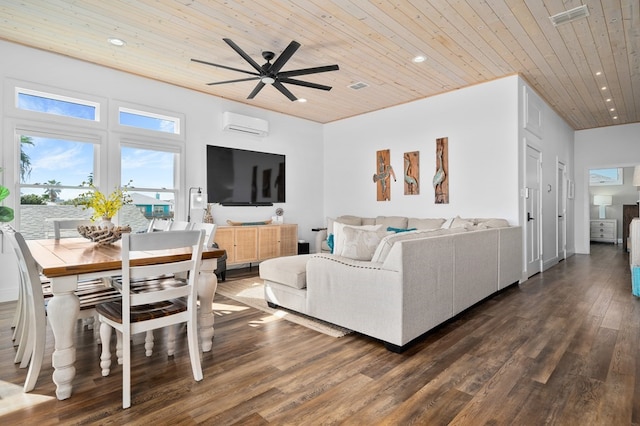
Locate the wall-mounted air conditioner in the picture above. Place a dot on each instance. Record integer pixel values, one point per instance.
(241, 123)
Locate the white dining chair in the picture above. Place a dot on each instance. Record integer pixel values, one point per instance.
(63, 228)
(165, 300)
(179, 225)
(32, 343)
(157, 225)
(60, 225)
(209, 232)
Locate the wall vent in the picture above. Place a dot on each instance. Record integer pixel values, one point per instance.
(357, 86)
(570, 15)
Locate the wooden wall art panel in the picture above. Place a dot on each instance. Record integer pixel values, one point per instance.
(441, 178)
(382, 177)
(412, 173)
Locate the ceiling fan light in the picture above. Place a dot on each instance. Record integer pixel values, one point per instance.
(268, 80)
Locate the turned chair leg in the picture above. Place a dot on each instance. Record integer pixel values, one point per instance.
(105, 357)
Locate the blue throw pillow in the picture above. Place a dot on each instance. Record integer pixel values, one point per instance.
(396, 230)
(330, 242)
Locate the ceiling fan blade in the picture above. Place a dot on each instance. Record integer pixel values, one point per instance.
(225, 67)
(306, 71)
(240, 52)
(304, 83)
(255, 91)
(233, 81)
(284, 91)
(284, 56)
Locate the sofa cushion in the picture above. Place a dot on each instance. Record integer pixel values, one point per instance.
(387, 242)
(425, 223)
(339, 235)
(287, 270)
(392, 221)
(492, 223)
(396, 230)
(360, 243)
(458, 222)
(346, 219)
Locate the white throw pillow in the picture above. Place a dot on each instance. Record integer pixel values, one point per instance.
(338, 234)
(358, 243)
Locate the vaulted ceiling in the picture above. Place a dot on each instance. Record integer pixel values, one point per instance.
(587, 70)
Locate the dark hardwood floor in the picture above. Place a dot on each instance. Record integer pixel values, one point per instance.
(561, 348)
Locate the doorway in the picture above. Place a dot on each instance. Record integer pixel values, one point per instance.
(561, 209)
(533, 173)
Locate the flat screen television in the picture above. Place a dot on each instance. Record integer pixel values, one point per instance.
(238, 177)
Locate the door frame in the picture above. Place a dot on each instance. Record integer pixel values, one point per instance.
(525, 192)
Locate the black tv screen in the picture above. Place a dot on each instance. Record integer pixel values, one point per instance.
(242, 177)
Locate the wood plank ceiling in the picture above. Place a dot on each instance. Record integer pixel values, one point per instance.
(587, 70)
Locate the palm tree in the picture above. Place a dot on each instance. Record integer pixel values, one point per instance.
(51, 192)
(25, 160)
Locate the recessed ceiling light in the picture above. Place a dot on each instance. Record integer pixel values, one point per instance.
(608, 100)
(603, 88)
(419, 59)
(117, 41)
(615, 117)
(302, 100)
(599, 73)
(612, 109)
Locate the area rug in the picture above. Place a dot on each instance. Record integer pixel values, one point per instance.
(250, 291)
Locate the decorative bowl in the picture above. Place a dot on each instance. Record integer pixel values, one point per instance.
(103, 234)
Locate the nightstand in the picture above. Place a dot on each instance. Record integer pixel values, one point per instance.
(604, 231)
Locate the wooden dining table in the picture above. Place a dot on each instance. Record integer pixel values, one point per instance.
(68, 260)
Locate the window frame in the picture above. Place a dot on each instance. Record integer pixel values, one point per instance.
(157, 144)
(618, 181)
(119, 105)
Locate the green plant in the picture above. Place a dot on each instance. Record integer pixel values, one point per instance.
(6, 213)
(104, 206)
(32, 199)
(52, 193)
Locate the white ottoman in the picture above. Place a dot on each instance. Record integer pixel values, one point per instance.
(285, 281)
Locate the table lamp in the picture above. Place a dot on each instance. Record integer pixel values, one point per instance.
(196, 201)
(602, 201)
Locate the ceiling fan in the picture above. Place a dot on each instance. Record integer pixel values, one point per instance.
(270, 73)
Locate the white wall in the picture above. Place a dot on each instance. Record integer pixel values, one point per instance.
(613, 146)
(481, 124)
(300, 140)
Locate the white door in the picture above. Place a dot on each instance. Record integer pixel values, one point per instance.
(533, 219)
(561, 208)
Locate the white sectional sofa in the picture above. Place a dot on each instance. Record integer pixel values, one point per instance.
(412, 282)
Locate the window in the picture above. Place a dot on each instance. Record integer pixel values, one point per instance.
(33, 100)
(151, 174)
(148, 120)
(52, 171)
(601, 177)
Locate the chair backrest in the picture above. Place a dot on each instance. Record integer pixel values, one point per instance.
(180, 225)
(209, 230)
(153, 242)
(33, 301)
(158, 225)
(67, 224)
(27, 266)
